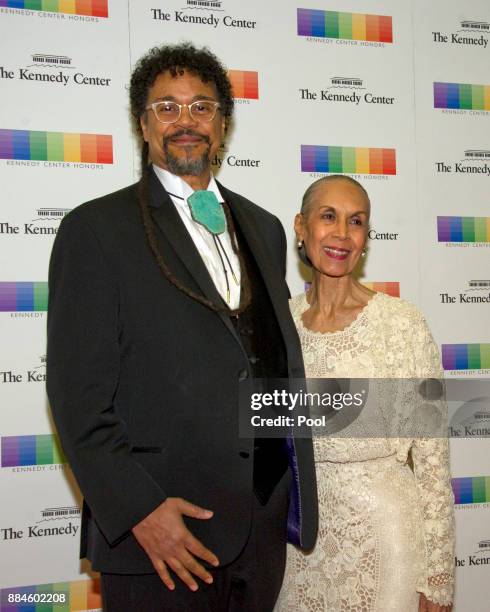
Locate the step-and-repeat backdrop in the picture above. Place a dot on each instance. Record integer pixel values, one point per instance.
(393, 92)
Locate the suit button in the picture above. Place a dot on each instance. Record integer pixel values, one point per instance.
(242, 375)
(253, 359)
(244, 454)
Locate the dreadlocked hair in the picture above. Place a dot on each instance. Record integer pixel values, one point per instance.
(149, 226)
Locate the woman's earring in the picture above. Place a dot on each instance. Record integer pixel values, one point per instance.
(300, 245)
(363, 253)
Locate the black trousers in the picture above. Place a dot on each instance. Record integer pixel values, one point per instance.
(251, 583)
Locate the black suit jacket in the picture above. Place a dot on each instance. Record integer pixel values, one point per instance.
(143, 381)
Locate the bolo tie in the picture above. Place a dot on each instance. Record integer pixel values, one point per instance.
(208, 212)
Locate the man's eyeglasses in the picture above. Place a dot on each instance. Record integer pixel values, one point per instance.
(170, 112)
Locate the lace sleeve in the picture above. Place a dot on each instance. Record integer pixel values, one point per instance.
(431, 467)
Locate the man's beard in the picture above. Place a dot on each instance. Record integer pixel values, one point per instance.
(187, 167)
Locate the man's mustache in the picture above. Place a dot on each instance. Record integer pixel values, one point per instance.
(180, 133)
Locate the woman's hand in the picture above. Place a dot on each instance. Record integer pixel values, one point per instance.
(429, 606)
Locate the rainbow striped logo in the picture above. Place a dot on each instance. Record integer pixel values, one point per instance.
(56, 146)
(390, 288)
(31, 450)
(90, 8)
(244, 83)
(473, 490)
(350, 26)
(465, 356)
(353, 160)
(23, 297)
(461, 95)
(463, 229)
(78, 596)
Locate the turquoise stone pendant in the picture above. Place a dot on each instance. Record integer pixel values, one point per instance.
(206, 210)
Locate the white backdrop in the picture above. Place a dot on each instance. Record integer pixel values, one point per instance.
(64, 71)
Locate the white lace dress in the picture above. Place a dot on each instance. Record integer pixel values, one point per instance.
(386, 532)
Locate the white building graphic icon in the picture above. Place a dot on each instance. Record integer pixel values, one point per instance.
(57, 60)
(209, 4)
(352, 82)
(53, 212)
(479, 26)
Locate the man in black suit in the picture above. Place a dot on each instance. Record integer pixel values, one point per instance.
(167, 298)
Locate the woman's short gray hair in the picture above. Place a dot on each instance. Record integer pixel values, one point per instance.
(310, 192)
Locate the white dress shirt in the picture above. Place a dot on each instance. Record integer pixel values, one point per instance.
(179, 191)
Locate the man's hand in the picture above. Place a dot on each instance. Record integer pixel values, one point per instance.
(165, 538)
(428, 606)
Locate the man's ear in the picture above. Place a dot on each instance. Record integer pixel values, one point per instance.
(144, 127)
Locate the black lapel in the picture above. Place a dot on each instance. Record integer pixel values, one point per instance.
(272, 277)
(170, 224)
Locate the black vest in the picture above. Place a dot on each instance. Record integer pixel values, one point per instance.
(263, 343)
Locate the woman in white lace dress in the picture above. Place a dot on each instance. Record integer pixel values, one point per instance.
(386, 534)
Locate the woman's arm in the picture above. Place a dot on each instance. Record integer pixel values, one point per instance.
(432, 474)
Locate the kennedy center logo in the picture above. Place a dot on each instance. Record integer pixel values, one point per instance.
(350, 90)
(35, 375)
(52, 69)
(462, 97)
(469, 34)
(67, 523)
(80, 150)
(345, 28)
(464, 231)
(203, 13)
(465, 357)
(319, 160)
(480, 556)
(471, 419)
(477, 292)
(44, 222)
(55, 146)
(87, 8)
(27, 451)
(23, 296)
(474, 161)
(472, 490)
